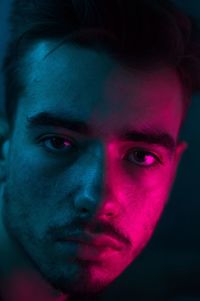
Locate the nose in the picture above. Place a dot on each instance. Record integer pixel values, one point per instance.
(95, 195)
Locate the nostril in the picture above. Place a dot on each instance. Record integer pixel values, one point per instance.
(84, 210)
(109, 214)
(84, 213)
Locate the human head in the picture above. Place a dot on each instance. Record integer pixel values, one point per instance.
(86, 184)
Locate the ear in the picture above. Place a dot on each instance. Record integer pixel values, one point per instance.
(4, 147)
(180, 149)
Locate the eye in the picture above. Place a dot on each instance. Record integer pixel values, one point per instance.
(142, 157)
(56, 143)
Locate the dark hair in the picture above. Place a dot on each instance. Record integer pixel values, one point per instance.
(141, 33)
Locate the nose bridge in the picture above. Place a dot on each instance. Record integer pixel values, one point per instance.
(94, 165)
(99, 170)
(94, 183)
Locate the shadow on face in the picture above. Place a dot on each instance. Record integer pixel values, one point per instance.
(90, 163)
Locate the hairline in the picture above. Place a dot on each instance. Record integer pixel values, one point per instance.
(133, 65)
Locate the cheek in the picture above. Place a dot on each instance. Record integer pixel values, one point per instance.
(41, 192)
(143, 199)
(30, 175)
(31, 198)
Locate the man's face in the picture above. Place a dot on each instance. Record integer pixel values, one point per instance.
(90, 163)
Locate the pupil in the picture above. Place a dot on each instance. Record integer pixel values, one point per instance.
(140, 156)
(57, 142)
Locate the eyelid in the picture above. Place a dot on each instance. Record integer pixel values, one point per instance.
(145, 149)
(55, 135)
(43, 140)
(157, 158)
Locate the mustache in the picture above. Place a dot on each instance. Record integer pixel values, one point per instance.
(97, 227)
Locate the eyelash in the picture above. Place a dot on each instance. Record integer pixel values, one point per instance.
(144, 152)
(71, 143)
(49, 138)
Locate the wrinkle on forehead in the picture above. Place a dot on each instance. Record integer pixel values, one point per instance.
(100, 90)
(151, 98)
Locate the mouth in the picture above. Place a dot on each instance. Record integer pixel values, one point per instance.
(92, 246)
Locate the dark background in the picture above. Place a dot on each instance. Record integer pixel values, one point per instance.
(169, 268)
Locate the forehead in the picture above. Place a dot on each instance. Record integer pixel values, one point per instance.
(93, 87)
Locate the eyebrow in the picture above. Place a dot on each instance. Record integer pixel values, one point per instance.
(49, 119)
(149, 135)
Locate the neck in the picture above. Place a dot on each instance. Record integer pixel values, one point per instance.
(19, 280)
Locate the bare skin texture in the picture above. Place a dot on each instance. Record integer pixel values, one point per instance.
(88, 165)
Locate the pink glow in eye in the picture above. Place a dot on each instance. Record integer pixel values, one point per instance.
(56, 143)
(141, 157)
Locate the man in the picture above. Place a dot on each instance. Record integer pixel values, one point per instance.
(96, 93)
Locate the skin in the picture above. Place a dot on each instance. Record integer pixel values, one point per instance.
(93, 179)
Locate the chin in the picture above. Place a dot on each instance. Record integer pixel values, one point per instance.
(84, 286)
(87, 281)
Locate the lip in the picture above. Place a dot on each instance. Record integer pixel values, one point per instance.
(96, 241)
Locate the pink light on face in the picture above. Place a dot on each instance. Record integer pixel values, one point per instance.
(137, 175)
(102, 178)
